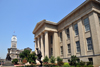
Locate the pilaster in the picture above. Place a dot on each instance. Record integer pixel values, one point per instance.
(72, 41)
(82, 38)
(95, 31)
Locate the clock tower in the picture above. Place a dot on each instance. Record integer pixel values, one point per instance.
(14, 42)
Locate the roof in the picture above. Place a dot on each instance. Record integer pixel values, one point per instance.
(39, 24)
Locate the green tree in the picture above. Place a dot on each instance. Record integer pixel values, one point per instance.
(32, 58)
(24, 54)
(15, 61)
(46, 59)
(74, 60)
(52, 59)
(59, 59)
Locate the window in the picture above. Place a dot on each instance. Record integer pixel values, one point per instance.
(89, 43)
(67, 33)
(60, 36)
(61, 50)
(86, 24)
(51, 51)
(51, 39)
(69, 48)
(78, 46)
(76, 29)
(90, 60)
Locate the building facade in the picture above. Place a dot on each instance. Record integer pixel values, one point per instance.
(14, 52)
(78, 34)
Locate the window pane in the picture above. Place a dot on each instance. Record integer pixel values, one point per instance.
(76, 29)
(86, 24)
(89, 43)
(61, 49)
(78, 46)
(69, 48)
(67, 32)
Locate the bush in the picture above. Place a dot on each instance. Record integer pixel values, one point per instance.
(66, 65)
(60, 63)
(59, 59)
(52, 59)
(15, 61)
(89, 63)
(24, 61)
(74, 60)
(46, 59)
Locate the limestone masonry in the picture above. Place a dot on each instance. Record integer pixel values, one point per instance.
(78, 34)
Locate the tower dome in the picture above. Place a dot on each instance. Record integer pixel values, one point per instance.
(14, 42)
(14, 38)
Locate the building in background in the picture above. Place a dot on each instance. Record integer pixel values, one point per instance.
(14, 52)
(78, 34)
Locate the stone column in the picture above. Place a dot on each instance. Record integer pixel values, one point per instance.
(64, 43)
(95, 31)
(82, 38)
(46, 44)
(72, 41)
(35, 46)
(38, 44)
(42, 47)
(56, 47)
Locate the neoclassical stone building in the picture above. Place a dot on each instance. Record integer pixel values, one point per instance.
(78, 34)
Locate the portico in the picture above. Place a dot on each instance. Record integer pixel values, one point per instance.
(45, 39)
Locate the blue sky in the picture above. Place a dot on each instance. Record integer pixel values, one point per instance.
(21, 16)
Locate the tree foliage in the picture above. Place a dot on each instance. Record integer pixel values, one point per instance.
(30, 57)
(74, 60)
(52, 59)
(59, 59)
(24, 54)
(46, 59)
(15, 61)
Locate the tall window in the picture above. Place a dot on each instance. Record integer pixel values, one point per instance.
(86, 24)
(78, 46)
(89, 43)
(76, 29)
(60, 36)
(51, 39)
(51, 51)
(61, 50)
(69, 48)
(67, 33)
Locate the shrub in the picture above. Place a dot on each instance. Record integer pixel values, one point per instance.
(52, 59)
(24, 61)
(89, 63)
(15, 61)
(74, 60)
(59, 59)
(46, 59)
(66, 65)
(90, 66)
(60, 63)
